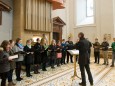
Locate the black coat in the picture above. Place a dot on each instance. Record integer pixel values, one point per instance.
(44, 56)
(70, 45)
(105, 46)
(83, 46)
(4, 62)
(37, 53)
(53, 50)
(29, 56)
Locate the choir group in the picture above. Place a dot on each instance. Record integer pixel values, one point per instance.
(42, 55)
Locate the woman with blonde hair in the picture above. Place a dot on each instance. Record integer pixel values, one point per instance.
(28, 57)
(18, 49)
(44, 50)
(59, 53)
(52, 49)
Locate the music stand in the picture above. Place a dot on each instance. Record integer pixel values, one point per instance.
(74, 53)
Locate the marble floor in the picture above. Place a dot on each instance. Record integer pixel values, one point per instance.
(61, 76)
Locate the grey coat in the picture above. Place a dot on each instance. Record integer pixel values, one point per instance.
(20, 56)
(4, 62)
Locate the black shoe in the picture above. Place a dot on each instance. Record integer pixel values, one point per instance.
(44, 70)
(91, 83)
(103, 64)
(58, 65)
(82, 84)
(19, 79)
(53, 67)
(30, 75)
(112, 66)
(61, 63)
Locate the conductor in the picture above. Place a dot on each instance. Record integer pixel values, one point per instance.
(83, 46)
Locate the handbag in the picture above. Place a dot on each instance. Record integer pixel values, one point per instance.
(59, 55)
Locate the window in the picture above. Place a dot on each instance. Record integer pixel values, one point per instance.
(90, 8)
(85, 12)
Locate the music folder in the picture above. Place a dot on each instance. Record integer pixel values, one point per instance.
(73, 52)
(13, 57)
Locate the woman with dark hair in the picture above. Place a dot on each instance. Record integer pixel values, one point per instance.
(12, 64)
(18, 49)
(37, 56)
(4, 62)
(28, 57)
(52, 49)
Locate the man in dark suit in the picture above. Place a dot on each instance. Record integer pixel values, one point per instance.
(83, 46)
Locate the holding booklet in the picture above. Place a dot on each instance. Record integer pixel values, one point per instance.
(13, 57)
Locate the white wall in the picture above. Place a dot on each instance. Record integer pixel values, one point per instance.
(64, 15)
(6, 27)
(81, 10)
(103, 21)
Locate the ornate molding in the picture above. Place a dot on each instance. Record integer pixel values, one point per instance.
(4, 6)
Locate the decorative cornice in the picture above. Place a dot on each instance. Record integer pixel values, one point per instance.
(4, 7)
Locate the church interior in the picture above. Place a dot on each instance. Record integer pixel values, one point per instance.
(59, 23)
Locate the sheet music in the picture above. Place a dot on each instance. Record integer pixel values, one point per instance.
(74, 52)
(13, 57)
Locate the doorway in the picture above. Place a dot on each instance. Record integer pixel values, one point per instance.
(56, 36)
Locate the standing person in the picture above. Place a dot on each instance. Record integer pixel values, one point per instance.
(37, 56)
(52, 49)
(113, 52)
(96, 47)
(63, 51)
(105, 46)
(59, 53)
(89, 50)
(18, 49)
(12, 64)
(28, 57)
(44, 37)
(44, 50)
(83, 46)
(4, 62)
(70, 46)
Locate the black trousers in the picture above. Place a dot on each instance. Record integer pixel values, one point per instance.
(3, 77)
(63, 57)
(97, 56)
(89, 51)
(82, 69)
(58, 61)
(69, 55)
(43, 65)
(52, 62)
(10, 75)
(28, 66)
(18, 69)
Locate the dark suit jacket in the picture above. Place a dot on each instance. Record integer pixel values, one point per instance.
(83, 46)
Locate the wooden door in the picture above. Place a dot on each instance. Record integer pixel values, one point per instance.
(56, 36)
